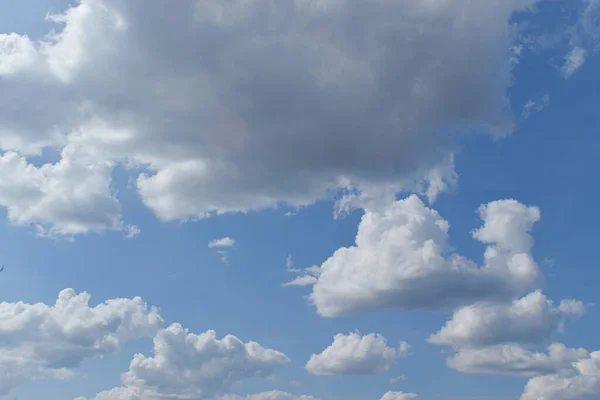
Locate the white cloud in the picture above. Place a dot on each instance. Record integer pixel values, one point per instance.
(582, 381)
(217, 126)
(398, 379)
(354, 354)
(271, 395)
(38, 341)
(514, 359)
(289, 265)
(304, 280)
(57, 198)
(399, 260)
(223, 242)
(535, 106)
(573, 61)
(528, 320)
(398, 396)
(189, 366)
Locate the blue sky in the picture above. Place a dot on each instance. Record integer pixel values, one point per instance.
(135, 135)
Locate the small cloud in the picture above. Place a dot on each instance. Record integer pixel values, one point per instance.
(404, 349)
(398, 379)
(223, 242)
(535, 106)
(305, 280)
(224, 258)
(291, 213)
(289, 264)
(573, 61)
(131, 231)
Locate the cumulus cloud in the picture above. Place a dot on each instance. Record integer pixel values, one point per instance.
(514, 359)
(190, 366)
(271, 395)
(400, 260)
(223, 242)
(582, 381)
(358, 92)
(38, 340)
(398, 396)
(354, 354)
(57, 198)
(528, 320)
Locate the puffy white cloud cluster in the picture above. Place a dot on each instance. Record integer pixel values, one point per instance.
(582, 381)
(196, 367)
(39, 340)
(528, 320)
(355, 354)
(241, 105)
(401, 260)
(514, 359)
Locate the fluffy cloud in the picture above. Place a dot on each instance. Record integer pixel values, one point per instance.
(57, 198)
(37, 340)
(582, 381)
(358, 92)
(529, 320)
(271, 395)
(514, 359)
(398, 396)
(400, 260)
(355, 354)
(190, 366)
(223, 242)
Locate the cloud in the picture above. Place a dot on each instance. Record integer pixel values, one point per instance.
(190, 366)
(40, 341)
(289, 265)
(354, 354)
(528, 320)
(514, 359)
(57, 198)
(223, 242)
(535, 106)
(582, 381)
(210, 124)
(400, 260)
(304, 280)
(398, 379)
(573, 61)
(271, 395)
(398, 396)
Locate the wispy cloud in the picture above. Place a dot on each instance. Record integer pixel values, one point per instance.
(223, 242)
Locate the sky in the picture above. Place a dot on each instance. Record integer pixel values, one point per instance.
(299, 200)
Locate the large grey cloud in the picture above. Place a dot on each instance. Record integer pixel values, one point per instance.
(43, 341)
(241, 105)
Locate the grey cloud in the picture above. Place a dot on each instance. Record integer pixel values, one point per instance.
(238, 106)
